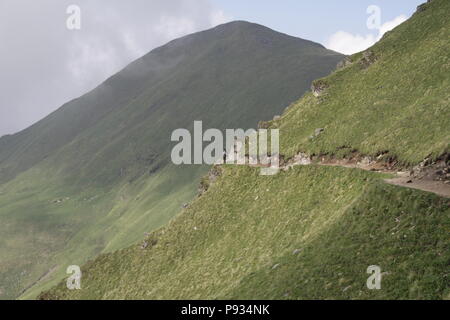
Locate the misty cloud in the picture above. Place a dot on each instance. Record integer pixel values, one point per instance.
(348, 43)
(43, 64)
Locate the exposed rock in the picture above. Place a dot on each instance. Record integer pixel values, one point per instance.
(208, 180)
(437, 170)
(296, 251)
(423, 6)
(318, 131)
(61, 200)
(276, 118)
(302, 159)
(368, 59)
(344, 63)
(275, 266)
(144, 245)
(366, 161)
(184, 205)
(263, 125)
(318, 87)
(150, 240)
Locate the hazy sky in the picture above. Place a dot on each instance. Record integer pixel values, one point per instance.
(43, 64)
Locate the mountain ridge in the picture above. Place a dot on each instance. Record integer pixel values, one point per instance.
(138, 73)
(96, 174)
(313, 232)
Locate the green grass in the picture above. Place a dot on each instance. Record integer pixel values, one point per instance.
(112, 146)
(400, 104)
(238, 240)
(49, 234)
(227, 243)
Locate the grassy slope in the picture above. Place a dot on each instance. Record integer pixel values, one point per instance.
(228, 242)
(400, 104)
(106, 154)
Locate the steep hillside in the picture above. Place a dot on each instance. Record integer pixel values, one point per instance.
(312, 231)
(96, 174)
(308, 233)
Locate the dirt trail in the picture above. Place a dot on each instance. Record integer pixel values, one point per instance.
(432, 177)
(438, 187)
(425, 182)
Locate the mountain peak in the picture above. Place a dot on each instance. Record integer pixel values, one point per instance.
(238, 33)
(239, 24)
(119, 134)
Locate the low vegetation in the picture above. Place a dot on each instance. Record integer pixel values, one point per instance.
(311, 232)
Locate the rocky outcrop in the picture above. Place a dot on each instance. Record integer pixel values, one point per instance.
(368, 59)
(318, 87)
(318, 131)
(423, 6)
(344, 63)
(263, 124)
(438, 170)
(150, 241)
(365, 161)
(209, 179)
(300, 159)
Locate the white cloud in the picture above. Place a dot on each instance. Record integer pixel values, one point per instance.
(219, 17)
(388, 26)
(348, 43)
(43, 65)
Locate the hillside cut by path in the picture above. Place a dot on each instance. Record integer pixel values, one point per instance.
(434, 178)
(312, 231)
(96, 174)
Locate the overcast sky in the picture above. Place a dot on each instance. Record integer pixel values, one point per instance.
(43, 64)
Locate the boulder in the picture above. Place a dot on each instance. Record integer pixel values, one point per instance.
(318, 131)
(318, 87)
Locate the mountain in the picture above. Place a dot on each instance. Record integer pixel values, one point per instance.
(313, 231)
(96, 174)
